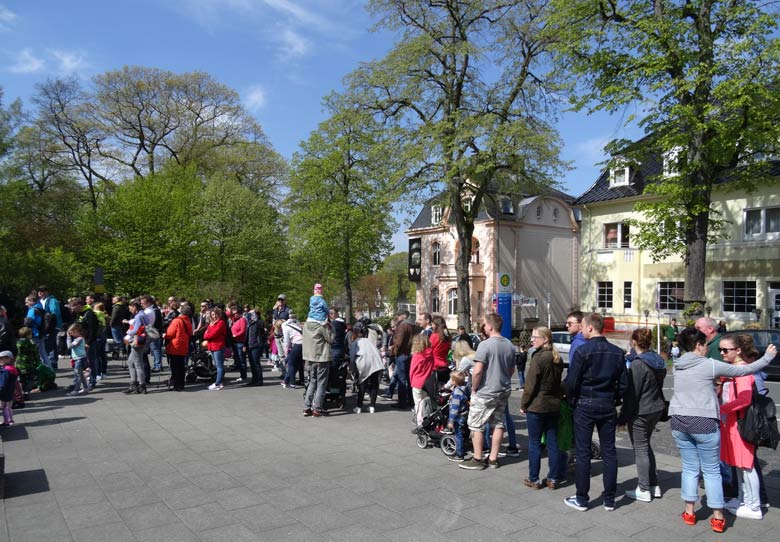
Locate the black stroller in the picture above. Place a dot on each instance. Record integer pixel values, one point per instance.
(201, 365)
(436, 410)
(336, 390)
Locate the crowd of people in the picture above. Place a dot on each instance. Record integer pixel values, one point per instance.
(605, 387)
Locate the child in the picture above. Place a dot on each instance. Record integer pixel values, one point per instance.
(458, 403)
(277, 348)
(318, 307)
(420, 368)
(9, 386)
(675, 351)
(27, 359)
(78, 352)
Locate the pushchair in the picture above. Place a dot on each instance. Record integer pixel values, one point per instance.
(434, 421)
(201, 365)
(336, 390)
(448, 444)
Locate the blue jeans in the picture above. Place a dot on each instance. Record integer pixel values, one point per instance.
(402, 371)
(294, 361)
(219, 360)
(509, 427)
(255, 365)
(318, 382)
(79, 381)
(40, 342)
(602, 415)
(156, 348)
(94, 363)
(542, 423)
(240, 358)
(51, 349)
(100, 345)
(458, 428)
(700, 452)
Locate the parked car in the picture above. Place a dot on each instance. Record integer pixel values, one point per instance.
(762, 338)
(562, 343)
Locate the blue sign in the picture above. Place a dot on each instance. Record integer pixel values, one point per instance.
(504, 309)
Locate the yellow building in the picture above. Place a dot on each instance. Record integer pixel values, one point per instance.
(742, 269)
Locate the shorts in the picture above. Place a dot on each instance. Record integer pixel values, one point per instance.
(487, 410)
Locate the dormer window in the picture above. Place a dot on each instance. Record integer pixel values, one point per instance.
(507, 206)
(468, 201)
(619, 174)
(671, 162)
(539, 212)
(555, 214)
(437, 211)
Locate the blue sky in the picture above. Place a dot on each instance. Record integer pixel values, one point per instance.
(282, 56)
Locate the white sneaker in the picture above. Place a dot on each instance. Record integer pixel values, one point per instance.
(214, 387)
(656, 492)
(239, 379)
(371, 410)
(99, 377)
(639, 494)
(357, 410)
(748, 513)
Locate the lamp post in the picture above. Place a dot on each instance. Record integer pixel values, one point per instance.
(593, 308)
(647, 314)
(770, 313)
(758, 312)
(708, 309)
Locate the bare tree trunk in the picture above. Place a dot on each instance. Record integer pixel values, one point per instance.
(465, 230)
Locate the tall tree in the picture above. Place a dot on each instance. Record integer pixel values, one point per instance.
(704, 74)
(339, 199)
(468, 89)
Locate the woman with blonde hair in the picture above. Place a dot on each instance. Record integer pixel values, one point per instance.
(541, 403)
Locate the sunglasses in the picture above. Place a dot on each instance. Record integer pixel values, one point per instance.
(726, 349)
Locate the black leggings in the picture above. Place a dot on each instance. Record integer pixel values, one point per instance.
(370, 384)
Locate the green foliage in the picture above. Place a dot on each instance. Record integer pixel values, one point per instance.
(703, 75)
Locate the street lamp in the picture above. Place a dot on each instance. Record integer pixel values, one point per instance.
(647, 314)
(709, 310)
(593, 308)
(758, 312)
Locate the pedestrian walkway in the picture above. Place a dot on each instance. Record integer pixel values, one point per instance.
(243, 464)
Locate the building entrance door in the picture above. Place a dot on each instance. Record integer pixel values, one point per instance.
(774, 302)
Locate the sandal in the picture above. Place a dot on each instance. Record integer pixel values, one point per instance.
(689, 519)
(718, 525)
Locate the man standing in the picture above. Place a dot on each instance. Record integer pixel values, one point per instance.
(405, 331)
(281, 310)
(596, 380)
(155, 345)
(574, 327)
(52, 322)
(83, 314)
(316, 352)
(709, 327)
(339, 337)
(491, 386)
(425, 321)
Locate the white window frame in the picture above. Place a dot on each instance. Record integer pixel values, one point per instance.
(623, 231)
(664, 286)
(507, 206)
(539, 212)
(437, 213)
(436, 254)
(452, 302)
(467, 202)
(628, 295)
(555, 214)
(749, 305)
(619, 174)
(605, 294)
(763, 235)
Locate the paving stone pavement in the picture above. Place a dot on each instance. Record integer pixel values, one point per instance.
(243, 464)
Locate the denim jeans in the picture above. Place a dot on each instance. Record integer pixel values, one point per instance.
(255, 365)
(542, 423)
(641, 430)
(40, 342)
(600, 414)
(156, 348)
(102, 358)
(51, 349)
(240, 359)
(93, 362)
(509, 427)
(79, 364)
(318, 382)
(700, 452)
(294, 361)
(402, 372)
(219, 360)
(458, 428)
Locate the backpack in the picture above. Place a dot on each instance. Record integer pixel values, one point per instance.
(33, 322)
(758, 425)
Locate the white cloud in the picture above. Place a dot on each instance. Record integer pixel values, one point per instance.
(255, 98)
(7, 18)
(293, 44)
(69, 61)
(27, 62)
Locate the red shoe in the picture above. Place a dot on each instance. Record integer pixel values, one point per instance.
(689, 519)
(718, 525)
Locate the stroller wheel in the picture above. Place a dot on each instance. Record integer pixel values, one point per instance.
(422, 441)
(448, 445)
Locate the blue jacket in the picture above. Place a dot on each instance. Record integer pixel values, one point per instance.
(458, 402)
(597, 372)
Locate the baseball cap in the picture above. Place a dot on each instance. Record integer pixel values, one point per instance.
(282, 296)
(7, 354)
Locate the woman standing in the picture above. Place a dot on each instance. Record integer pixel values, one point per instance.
(696, 421)
(214, 341)
(541, 403)
(238, 328)
(643, 406)
(177, 345)
(136, 340)
(440, 345)
(367, 364)
(736, 396)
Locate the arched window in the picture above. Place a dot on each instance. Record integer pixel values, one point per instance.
(436, 253)
(474, 250)
(452, 302)
(434, 300)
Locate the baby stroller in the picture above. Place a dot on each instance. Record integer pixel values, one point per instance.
(336, 390)
(201, 366)
(431, 431)
(448, 444)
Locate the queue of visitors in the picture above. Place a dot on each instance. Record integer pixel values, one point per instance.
(715, 376)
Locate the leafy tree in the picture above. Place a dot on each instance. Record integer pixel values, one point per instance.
(340, 202)
(394, 277)
(705, 76)
(467, 88)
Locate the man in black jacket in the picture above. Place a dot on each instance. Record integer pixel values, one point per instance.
(596, 381)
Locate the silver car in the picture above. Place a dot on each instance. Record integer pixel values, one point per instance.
(562, 343)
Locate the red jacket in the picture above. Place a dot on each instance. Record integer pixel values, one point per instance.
(215, 335)
(421, 368)
(177, 336)
(440, 351)
(239, 330)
